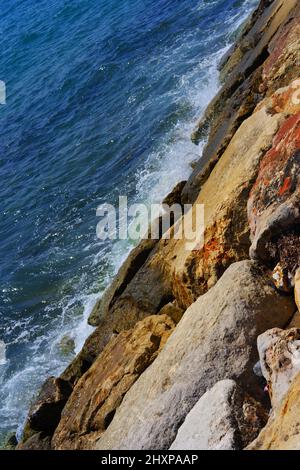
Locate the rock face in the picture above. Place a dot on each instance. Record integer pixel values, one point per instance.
(273, 205)
(126, 273)
(225, 418)
(280, 359)
(279, 352)
(283, 64)
(283, 429)
(224, 196)
(44, 414)
(243, 89)
(37, 441)
(215, 339)
(100, 391)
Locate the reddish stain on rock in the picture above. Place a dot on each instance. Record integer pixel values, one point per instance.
(282, 65)
(279, 174)
(286, 186)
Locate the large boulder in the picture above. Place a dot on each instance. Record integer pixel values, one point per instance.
(273, 206)
(100, 391)
(45, 412)
(279, 352)
(283, 63)
(215, 340)
(224, 198)
(245, 86)
(225, 418)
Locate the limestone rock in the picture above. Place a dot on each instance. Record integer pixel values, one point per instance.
(279, 352)
(225, 418)
(215, 340)
(224, 197)
(129, 268)
(100, 391)
(283, 429)
(243, 88)
(273, 206)
(283, 64)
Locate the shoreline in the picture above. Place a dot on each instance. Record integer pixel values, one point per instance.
(145, 317)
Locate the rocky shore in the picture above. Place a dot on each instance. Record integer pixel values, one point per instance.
(201, 349)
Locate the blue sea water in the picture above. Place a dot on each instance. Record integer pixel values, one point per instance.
(102, 96)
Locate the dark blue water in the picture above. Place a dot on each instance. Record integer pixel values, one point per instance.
(101, 99)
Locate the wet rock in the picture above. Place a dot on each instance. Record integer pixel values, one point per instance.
(100, 391)
(129, 268)
(225, 418)
(10, 442)
(36, 442)
(279, 352)
(45, 412)
(66, 345)
(174, 197)
(215, 340)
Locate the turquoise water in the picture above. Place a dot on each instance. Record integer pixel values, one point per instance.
(102, 96)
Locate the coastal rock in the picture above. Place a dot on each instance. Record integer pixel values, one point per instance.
(100, 391)
(129, 268)
(215, 340)
(242, 90)
(91, 349)
(45, 412)
(283, 64)
(225, 418)
(283, 429)
(192, 271)
(10, 442)
(174, 197)
(36, 442)
(273, 206)
(279, 352)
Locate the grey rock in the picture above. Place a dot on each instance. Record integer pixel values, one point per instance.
(215, 340)
(279, 352)
(225, 418)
